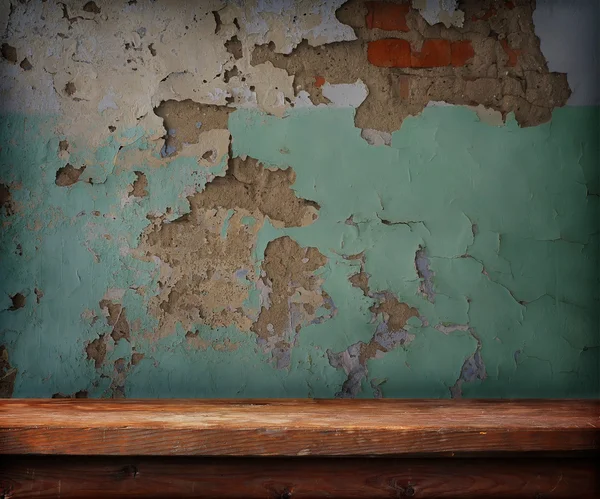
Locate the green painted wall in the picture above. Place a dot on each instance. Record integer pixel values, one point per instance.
(504, 219)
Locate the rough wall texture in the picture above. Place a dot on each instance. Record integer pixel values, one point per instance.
(294, 198)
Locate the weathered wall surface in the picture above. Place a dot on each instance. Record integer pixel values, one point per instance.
(298, 198)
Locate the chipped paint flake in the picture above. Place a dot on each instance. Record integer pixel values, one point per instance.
(345, 94)
(440, 11)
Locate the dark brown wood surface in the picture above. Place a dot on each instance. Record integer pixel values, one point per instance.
(153, 477)
(295, 427)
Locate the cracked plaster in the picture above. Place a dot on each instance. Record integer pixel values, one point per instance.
(455, 261)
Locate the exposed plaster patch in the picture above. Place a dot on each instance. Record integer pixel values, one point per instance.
(394, 313)
(295, 296)
(96, 351)
(392, 317)
(195, 342)
(186, 120)
(68, 175)
(349, 362)
(353, 360)
(473, 369)
(136, 358)
(451, 328)
(138, 188)
(250, 186)
(116, 318)
(425, 274)
(201, 254)
(361, 281)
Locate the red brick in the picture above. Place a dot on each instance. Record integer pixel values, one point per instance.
(319, 81)
(396, 53)
(461, 52)
(389, 53)
(509, 5)
(513, 54)
(387, 16)
(434, 53)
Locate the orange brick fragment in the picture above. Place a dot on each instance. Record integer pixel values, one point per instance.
(461, 52)
(389, 53)
(387, 16)
(434, 53)
(319, 81)
(513, 54)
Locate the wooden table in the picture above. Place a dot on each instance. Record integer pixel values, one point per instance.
(298, 448)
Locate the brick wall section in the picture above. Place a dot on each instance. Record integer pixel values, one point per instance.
(387, 16)
(494, 60)
(461, 51)
(434, 53)
(398, 53)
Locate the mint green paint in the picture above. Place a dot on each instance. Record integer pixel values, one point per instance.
(248, 220)
(503, 215)
(230, 213)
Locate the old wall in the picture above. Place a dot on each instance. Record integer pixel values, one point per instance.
(299, 198)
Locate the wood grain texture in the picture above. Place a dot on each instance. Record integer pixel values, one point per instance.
(295, 427)
(291, 478)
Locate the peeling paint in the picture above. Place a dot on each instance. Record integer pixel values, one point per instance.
(195, 201)
(440, 11)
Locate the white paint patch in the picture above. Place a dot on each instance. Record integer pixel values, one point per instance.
(488, 116)
(346, 94)
(376, 137)
(123, 62)
(303, 100)
(440, 11)
(570, 42)
(107, 102)
(447, 329)
(438, 103)
(287, 22)
(485, 114)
